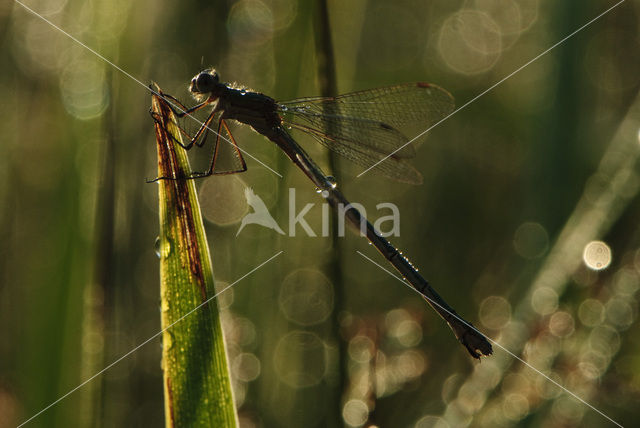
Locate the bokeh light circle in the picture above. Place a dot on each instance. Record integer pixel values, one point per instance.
(597, 255)
(430, 421)
(561, 324)
(306, 297)
(250, 23)
(401, 325)
(223, 201)
(355, 412)
(300, 359)
(83, 88)
(591, 312)
(246, 367)
(544, 300)
(495, 312)
(361, 348)
(531, 240)
(470, 42)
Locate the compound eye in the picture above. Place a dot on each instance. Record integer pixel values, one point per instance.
(206, 81)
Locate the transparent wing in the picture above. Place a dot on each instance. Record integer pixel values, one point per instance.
(363, 126)
(390, 166)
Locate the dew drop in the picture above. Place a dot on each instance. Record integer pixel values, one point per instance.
(168, 339)
(162, 247)
(156, 247)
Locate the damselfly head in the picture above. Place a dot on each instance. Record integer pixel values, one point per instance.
(204, 82)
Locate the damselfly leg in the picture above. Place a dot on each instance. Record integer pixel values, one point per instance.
(226, 157)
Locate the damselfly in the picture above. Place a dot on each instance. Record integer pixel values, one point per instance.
(361, 126)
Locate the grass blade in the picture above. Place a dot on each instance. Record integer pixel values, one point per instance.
(196, 375)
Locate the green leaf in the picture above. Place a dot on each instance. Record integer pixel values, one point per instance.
(197, 386)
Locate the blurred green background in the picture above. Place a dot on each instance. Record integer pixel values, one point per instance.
(527, 221)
